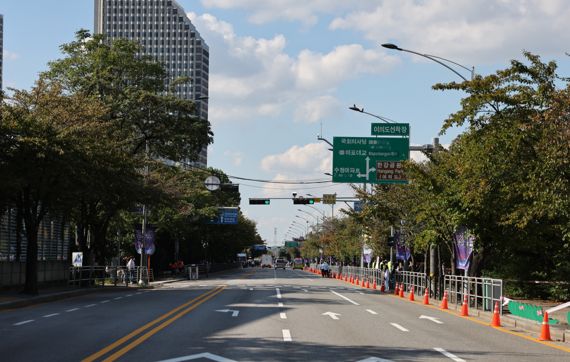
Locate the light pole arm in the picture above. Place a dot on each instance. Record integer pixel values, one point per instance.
(435, 59)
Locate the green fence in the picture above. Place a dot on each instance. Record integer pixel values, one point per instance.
(529, 311)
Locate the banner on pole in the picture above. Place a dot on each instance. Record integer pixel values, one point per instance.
(148, 240)
(463, 241)
(402, 250)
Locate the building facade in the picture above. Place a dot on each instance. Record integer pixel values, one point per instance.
(1, 47)
(166, 34)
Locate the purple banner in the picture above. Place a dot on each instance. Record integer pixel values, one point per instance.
(149, 247)
(402, 250)
(463, 241)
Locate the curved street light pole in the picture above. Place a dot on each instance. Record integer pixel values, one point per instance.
(361, 110)
(435, 59)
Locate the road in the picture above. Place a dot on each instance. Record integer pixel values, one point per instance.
(255, 315)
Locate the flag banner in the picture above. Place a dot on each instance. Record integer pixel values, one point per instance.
(402, 250)
(463, 241)
(149, 247)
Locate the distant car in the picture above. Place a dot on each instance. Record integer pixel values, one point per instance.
(280, 263)
(297, 263)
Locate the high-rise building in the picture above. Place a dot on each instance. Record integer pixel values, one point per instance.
(166, 34)
(1, 47)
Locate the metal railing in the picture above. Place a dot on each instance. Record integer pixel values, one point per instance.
(107, 275)
(482, 293)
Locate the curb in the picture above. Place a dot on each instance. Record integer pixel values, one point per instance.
(55, 296)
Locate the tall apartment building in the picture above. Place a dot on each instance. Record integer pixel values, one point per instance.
(166, 34)
(1, 47)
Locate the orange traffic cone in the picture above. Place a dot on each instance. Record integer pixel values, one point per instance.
(382, 288)
(362, 283)
(545, 331)
(356, 281)
(465, 307)
(426, 297)
(368, 284)
(496, 321)
(444, 301)
(402, 290)
(396, 289)
(412, 299)
(374, 284)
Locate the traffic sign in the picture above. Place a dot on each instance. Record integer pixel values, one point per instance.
(226, 216)
(355, 159)
(259, 201)
(329, 199)
(390, 129)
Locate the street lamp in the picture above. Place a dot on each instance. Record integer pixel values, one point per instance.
(361, 110)
(435, 59)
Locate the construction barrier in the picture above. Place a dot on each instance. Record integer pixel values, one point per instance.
(529, 311)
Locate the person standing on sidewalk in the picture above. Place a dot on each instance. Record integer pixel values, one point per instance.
(131, 269)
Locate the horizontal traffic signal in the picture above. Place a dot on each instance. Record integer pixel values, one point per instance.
(303, 201)
(259, 201)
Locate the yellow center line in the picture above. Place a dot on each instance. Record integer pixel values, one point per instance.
(500, 329)
(139, 330)
(158, 328)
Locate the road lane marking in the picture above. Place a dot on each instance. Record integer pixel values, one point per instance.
(360, 293)
(23, 322)
(190, 304)
(332, 315)
(117, 298)
(345, 298)
(305, 290)
(449, 355)
(72, 310)
(51, 315)
(286, 335)
(280, 304)
(250, 288)
(129, 295)
(104, 301)
(371, 311)
(433, 319)
(90, 305)
(396, 325)
(206, 355)
(283, 315)
(278, 293)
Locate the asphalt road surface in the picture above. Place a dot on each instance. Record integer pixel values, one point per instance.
(256, 315)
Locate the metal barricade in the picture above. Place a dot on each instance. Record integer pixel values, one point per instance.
(193, 272)
(482, 293)
(415, 280)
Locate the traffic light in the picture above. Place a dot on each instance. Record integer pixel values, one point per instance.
(303, 201)
(259, 201)
(390, 241)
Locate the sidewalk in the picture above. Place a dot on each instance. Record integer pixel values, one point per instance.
(12, 298)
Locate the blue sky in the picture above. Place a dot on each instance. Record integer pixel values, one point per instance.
(281, 70)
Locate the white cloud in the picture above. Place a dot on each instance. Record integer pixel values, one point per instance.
(310, 160)
(236, 157)
(467, 31)
(255, 77)
(318, 109)
(306, 12)
(8, 55)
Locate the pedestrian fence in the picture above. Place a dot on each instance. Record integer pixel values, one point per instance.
(529, 311)
(482, 293)
(107, 275)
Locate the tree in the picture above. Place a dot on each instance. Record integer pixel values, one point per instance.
(44, 134)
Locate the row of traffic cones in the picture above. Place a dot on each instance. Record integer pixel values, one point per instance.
(399, 291)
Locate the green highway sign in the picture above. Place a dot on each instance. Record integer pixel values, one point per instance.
(390, 129)
(357, 159)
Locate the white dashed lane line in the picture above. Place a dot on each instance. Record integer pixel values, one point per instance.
(345, 298)
(283, 315)
(51, 315)
(278, 293)
(72, 310)
(280, 304)
(449, 355)
(90, 305)
(104, 301)
(117, 298)
(23, 322)
(371, 311)
(286, 335)
(396, 325)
